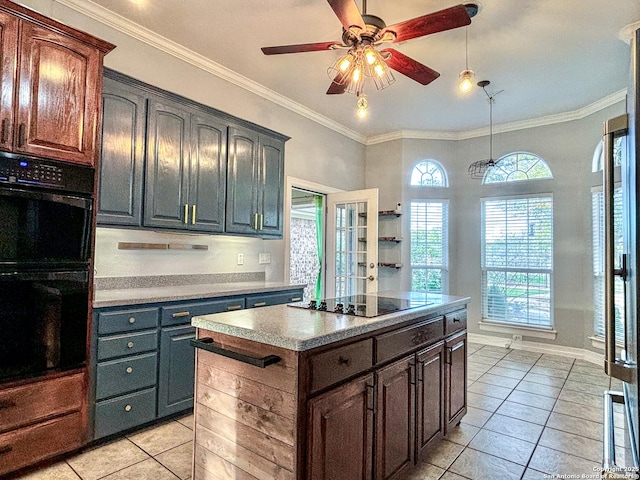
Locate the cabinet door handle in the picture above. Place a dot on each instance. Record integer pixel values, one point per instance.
(260, 304)
(255, 221)
(371, 397)
(186, 213)
(7, 404)
(5, 130)
(5, 449)
(180, 314)
(421, 371)
(412, 373)
(193, 214)
(234, 307)
(261, 221)
(22, 134)
(262, 362)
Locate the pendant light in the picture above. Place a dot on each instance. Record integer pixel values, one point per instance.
(465, 85)
(478, 168)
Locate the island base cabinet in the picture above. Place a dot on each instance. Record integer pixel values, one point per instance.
(456, 379)
(430, 398)
(340, 432)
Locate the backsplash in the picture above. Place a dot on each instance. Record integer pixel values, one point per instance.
(115, 283)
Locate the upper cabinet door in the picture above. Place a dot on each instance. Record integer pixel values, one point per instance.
(122, 155)
(208, 177)
(59, 90)
(271, 199)
(242, 182)
(166, 196)
(8, 49)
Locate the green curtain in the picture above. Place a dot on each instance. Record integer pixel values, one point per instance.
(318, 201)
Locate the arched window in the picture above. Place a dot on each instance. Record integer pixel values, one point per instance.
(429, 173)
(516, 167)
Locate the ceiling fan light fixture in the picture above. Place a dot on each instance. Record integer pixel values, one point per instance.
(362, 105)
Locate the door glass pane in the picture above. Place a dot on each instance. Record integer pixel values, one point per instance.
(351, 248)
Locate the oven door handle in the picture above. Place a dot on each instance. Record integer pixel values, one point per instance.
(65, 199)
(76, 276)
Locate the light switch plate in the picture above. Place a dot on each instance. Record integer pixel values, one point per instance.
(264, 258)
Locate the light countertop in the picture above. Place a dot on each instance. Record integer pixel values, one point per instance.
(299, 329)
(134, 296)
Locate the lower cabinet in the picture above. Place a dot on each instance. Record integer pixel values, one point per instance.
(430, 398)
(340, 432)
(177, 367)
(456, 379)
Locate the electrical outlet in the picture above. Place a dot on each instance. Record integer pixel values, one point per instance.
(240, 259)
(264, 258)
(517, 338)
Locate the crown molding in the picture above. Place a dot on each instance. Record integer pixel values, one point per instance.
(134, 30)
(626, 33)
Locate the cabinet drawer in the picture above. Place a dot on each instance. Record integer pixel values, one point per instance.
(128, 344)
(178, 314)
(267, 299)
(400, 341)
(29, 445)
(455, 321)
(340, 363)
(124, 375)
(127, 320)
(39, 400)
(124, 412)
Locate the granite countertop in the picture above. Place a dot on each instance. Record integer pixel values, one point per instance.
(134, 296)
(299, 329)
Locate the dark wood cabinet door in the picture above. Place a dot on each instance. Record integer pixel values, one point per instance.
(270, 200)
(430, 399)
(456, 402)
(340, 432)
(166, 196)
(395, 418)
(60, 87)
(122, 155)
(8, 49)
(208, 172)
(177, 369)
(242, 214)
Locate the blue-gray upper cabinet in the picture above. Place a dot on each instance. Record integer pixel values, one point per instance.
(122, 155)
(255, 183)
(186, 168)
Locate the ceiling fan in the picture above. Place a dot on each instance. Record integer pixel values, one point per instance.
(363, 33)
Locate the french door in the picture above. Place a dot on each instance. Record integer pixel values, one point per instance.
(352, 243)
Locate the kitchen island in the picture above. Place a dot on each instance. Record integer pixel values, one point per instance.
(290, 393)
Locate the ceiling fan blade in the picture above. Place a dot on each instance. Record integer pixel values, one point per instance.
(446, 19)
(409, 67)
(348, 13)
(302, 47)
(338, 85)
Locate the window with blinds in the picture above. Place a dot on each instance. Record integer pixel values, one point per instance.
(597, 203)
(429, 240)
(517, 260)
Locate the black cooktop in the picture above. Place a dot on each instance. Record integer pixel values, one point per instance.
(364, 305)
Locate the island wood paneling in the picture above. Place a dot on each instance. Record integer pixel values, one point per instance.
(245, 415)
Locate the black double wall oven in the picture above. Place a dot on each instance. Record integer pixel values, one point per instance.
(45, 250)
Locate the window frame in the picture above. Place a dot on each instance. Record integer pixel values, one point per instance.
(516, 180)
(438, 165)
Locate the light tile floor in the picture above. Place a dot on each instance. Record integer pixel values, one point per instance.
(530, 416)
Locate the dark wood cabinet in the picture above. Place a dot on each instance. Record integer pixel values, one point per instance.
(185, 182)
(122, 154)
(255, 183)
(395, 418)
(456, 379)
(340, 432)
(430, 398)
(52, 109)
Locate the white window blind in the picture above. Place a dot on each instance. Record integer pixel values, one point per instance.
(517, 260)
(597, 203)
(429, 240)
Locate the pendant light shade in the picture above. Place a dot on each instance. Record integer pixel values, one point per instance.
(465, 84)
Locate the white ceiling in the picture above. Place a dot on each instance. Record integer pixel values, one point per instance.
(549, 56)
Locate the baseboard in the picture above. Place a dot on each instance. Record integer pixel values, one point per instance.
(538, 347)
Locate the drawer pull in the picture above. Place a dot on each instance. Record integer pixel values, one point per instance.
(260, 304)
(127, 408)
(456, 320)
(5, 449)
(132, 320)
(7, 404)
(208, 345)
(344, 361)
(296, 299)
(180, 314)
(130, 345)
(234, 307)
(129, 370)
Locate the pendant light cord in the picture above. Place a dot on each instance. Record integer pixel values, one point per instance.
(466, 47)
(491, 97)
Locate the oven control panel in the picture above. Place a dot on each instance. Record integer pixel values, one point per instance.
(30, 171)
